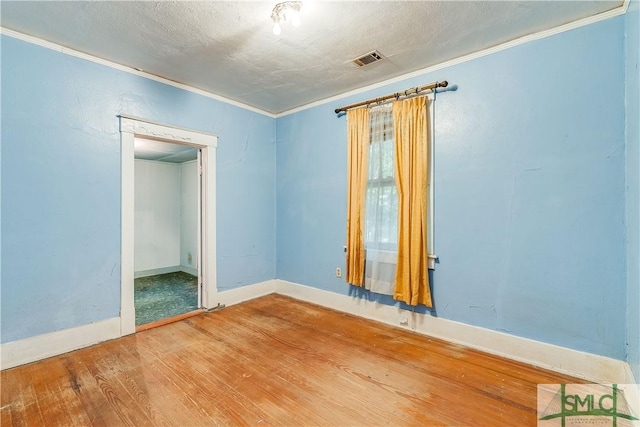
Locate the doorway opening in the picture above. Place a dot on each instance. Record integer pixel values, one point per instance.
(167, 231)
(157, 247)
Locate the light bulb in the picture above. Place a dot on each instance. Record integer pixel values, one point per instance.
(276, 29)
(295, 19)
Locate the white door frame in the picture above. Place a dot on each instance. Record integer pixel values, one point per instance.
(200, 198)
(131, 127)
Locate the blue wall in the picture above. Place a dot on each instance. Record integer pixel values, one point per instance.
(530, 191)
(633, 185)
(61, 185)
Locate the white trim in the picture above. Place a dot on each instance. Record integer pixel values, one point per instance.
(621, 10)
(189, 270)
(559, 359)
(130, 128)
(200, 201)
(150, 129)
(633, 392)
(247, 292)
(156, 271)
(127, 223)
(431, 211)
(629, 377)
(72, 52)
(40, 347)
(51, 344)
(165, 270)
(208, 267)
(579, 364)
(431, 260)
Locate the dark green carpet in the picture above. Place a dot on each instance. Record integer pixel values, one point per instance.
(164, 295)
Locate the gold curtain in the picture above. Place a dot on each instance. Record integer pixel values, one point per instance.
(411, 167)
(357, 171)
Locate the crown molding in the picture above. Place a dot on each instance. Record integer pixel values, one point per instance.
(621, 10)
(75, 53)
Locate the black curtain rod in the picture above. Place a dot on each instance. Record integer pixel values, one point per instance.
(408, 92)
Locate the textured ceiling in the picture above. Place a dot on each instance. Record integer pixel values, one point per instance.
(228, 48)
(149, 149)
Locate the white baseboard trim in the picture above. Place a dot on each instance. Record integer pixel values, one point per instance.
(247, 292)
(576, 363)
(189, 270)
(156, 271)
(165, 270)
(630, 379)
(40, 347)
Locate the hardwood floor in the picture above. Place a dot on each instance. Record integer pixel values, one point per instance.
(273, 361)
(167, 320)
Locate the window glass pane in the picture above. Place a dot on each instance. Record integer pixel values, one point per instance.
(386, 159)
(371, 213)
(381, 214)
(389, 206)
(374, 160)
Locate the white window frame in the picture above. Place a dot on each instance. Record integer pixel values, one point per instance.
(431, 225)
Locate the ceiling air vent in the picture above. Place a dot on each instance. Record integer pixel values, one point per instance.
(369, 58)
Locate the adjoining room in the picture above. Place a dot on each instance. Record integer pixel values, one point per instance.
(166, 230)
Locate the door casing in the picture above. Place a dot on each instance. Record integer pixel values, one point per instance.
(130, 128)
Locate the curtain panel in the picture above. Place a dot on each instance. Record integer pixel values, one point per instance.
(358, 136)
(388, 171)
(410, 119)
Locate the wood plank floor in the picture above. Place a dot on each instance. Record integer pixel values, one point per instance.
(273, 361)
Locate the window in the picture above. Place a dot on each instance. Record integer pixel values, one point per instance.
(389, 217)
(381, 205)
(381, 212)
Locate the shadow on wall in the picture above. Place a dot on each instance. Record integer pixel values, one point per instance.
(362, 293)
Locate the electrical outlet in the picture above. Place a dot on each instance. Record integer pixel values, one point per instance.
(338, 272)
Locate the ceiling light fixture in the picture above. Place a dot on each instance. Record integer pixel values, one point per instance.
(287, 11)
